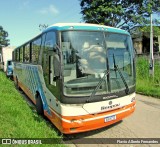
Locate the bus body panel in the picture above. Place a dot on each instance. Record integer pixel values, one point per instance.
(96, 107)
(31, 81)
(82, 123)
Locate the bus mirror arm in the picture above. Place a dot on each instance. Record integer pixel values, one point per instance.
(56, 78)
(56, 48)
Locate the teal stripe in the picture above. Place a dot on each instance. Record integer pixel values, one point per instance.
(89, 28)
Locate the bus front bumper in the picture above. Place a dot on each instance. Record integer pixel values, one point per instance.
(96, 121)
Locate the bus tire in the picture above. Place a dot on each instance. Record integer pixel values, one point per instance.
(39, 105)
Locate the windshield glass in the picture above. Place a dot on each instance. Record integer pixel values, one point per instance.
(85, 59)
(120, 53)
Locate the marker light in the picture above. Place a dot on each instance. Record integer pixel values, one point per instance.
(71, 27)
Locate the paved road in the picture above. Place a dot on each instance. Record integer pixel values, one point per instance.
(143, 123)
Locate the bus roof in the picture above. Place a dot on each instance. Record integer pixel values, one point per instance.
(84, 26)
(79, 26)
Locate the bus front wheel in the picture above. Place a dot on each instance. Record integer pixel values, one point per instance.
(39, 105)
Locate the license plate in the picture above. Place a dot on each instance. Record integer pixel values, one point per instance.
(109, 118)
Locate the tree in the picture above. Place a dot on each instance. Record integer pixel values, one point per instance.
(119, 13)
(3, 38)
(156, 30)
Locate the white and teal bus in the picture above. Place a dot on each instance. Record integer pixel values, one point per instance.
(80, 76)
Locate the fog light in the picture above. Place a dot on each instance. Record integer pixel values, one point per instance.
(133, 99)
(76, 121)
(72, 129)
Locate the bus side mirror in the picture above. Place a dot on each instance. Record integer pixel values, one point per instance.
(56, 64)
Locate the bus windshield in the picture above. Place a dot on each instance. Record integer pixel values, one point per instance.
(88, 55)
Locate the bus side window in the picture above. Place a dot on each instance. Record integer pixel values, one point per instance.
(48, 64)
(41, 53)
(36, 46)
(27, 53)
(17, 55)
(21, 54)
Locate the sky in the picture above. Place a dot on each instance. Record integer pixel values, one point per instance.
(21, 18)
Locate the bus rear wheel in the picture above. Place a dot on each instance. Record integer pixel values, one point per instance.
(39, 105)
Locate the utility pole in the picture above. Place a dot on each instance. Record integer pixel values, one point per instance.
(151, 67)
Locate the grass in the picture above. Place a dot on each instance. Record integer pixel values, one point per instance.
(18, 119)
(146, 84)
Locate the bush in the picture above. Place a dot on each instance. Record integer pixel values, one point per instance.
(146, 84)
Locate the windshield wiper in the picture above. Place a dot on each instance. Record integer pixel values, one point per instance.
(106, 72)
(121, 75)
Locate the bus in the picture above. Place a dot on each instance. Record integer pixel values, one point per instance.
(5, 57)
(80, 76)
(9, 69)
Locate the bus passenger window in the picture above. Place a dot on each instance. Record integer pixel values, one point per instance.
(49, 67)
(36, 46)
(27, 53)
(21, 54)
(17, 54)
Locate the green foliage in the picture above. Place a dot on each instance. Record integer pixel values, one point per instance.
(18, 119)
(142, 69)
(118, 13)
(145, 83)
(3, 37)
(146, 29)
(157, 73)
